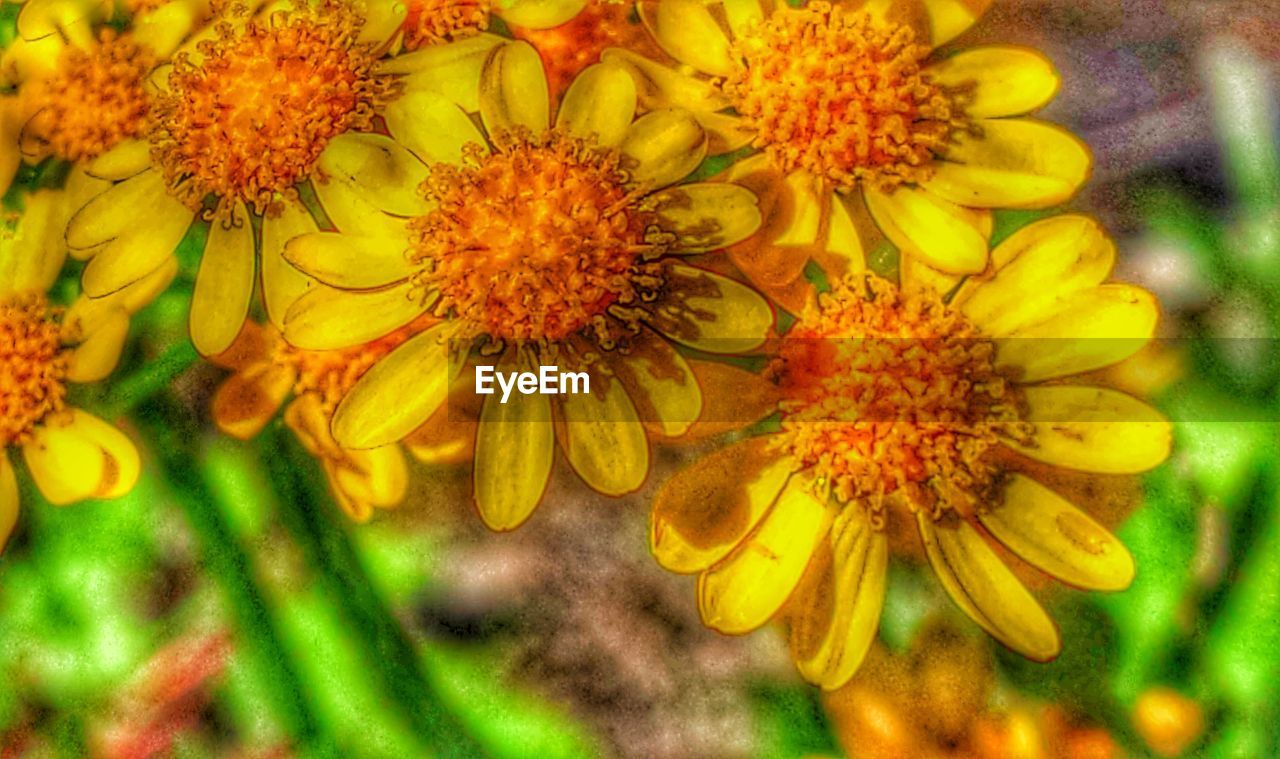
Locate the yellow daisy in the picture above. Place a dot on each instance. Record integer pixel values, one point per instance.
(548, 239)
(71, 454)
(908, 412)
(863, 128)
(267, 370)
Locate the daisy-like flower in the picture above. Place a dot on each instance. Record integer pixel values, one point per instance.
(431, 22)
(546, 241)
(863, 129)
(906, 412)
(267, 371)
(71, 454)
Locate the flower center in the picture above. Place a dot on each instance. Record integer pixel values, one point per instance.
(96, 99)
(431, 22)
(569, 48)
(33, 367)
(536, 240)
(841, 95)
(889, 395)
(251, 118)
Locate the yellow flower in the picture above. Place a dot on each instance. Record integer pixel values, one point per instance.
(864, 131)
(71, 454)
(429, 22)
(541, 245)
(907, 412)
(268, 370)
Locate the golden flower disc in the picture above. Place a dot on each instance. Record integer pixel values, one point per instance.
(841, 95)
(33, 367)
(431, 22)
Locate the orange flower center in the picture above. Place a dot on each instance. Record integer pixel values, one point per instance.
(96, 99)
(431, 22)
(894, 395)
(569, 48)
(536, 240)
(251, 118)
(33, 367)
(841, 95)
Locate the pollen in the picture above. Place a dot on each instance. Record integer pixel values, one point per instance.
(95, 99)
(248, 119)
(33, 367)
(432, 22)
(841, 95)
(893, 398)
(537, 240)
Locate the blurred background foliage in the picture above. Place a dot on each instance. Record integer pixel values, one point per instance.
(227, 608)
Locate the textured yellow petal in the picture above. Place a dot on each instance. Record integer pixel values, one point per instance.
(515, 445)
(326, 318)
(282, 283)
(97, 356)
(122, 465)
(8, 499)
(843, 240)
(398, 393)
(452, 70)
(1089, 330)
(662, 384)
(430, 125)
(224, 284)
(922, 224)
(712, 313)
(726, 132)
(32, 258)
(948, 19)
(1045, 530)
(706, 509)
(136, 253)
(752, 583)
(350, 212)
(247, 400)
(378, 476)
(1035, 269)
(87, 315)
(603, 439)
(599, 104)
(838, 614)
(120, 208)
(808, 198)
(538, 14)
(349, 262)
(998, 81)
(987, 590)
(514, 91)
(659, 87)
(1011, 163)
(666, 145)
(1094, 429)
(163, 29)
(689, 33)
(741, 14)
(382, 20)
(915, 276)
(383, 173)
(128, 159)
(708, 215)
(41, 18)
(81, 457)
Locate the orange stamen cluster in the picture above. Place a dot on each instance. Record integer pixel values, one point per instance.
(251, 119)
(432, 22)
(841, 95)
(889, 395)
(569, 48)
(536, 240)
(33, 367)
(96, 99)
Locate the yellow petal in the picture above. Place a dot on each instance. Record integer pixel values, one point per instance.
(349, 262)
(97, 356)
(741, 14)
(326, 318)
(128, 159)
(163, 29)
(282, 283)
(350, 212)
(31, 259)
(224, 284)
(603, 439)
(383, 173)
(538, 14)
(247, 400)
(8, 499)
(687, 31)
(430, 125)
(382, 20)
(1094, 429)
(1049, 533)
(843, 239)
(712, 313)
(120, 208)
(41, 18)
(948, 19)
(599, 104)
(659, 87)
(515, 445)
(122, 464)
(513, 90)
(708, 215)
(666, 147)
(706, 509)
(942, 234)
(661, 383)
(1011, 163)
(1088, 330)
(998, 80)
(136, 253)
(452, 70)
(726, 132)
(398, 393)
(752, 583)
(81, 457)
(378, 476)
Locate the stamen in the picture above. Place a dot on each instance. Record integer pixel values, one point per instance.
(432, 22)
(33, 367)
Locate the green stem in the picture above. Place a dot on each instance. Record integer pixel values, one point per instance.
(152, 378)
(172, 434)
(311, 517)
